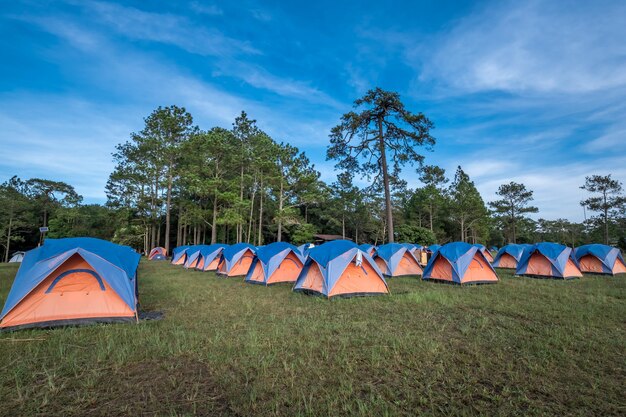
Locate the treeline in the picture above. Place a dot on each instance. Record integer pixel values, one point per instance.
(175, 183)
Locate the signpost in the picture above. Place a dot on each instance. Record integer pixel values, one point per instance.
(42, 231)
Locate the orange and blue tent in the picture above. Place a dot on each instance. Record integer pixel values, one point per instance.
(460, 263)
(484, 251)
(367, 248)
(340, 269)
(508, 256)
(209, 257)
(179, 255)
(73, 281)
(193, 256)
(600, 259)
(157, 254)
(396, 259)
(275, 263)
(548, 260)
(236, 260)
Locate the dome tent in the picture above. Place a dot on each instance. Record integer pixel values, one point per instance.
(236, 260)
(548, 260)
(73, 281)
(157, 254)
(209, 257)
(340, 269)
(460, 263)
(193, 256)
(275, 263)
(600, 259)
(395, 259)
(509, 256)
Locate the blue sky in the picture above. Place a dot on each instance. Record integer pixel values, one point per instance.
(527, 91)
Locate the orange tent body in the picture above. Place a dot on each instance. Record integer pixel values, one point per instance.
(408, 266)
(540, 266)
(548, 260)
(395, 260)
(73, 286)
(236, 260)
(210, 266)
(275, 263)
(593, 265)
(193, 264)
(460, 263)
(507, 261)
(340, 269)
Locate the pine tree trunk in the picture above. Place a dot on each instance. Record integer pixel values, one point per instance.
(179, 229)
(146, 232)
(462, 229)
(606, 221)
(239, 225)
(514, 232)
(168, 212)
(6, 254)
(430, 213)
(260, 237)
(214, 224)
(343, 226)
(383, 159)
(251, 218)
(280, 210)
(154, 216)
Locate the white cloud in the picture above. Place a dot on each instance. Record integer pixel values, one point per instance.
(61, 138)
(168, 28)
(535, 46)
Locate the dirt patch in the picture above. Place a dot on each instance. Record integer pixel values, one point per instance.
(180, 386)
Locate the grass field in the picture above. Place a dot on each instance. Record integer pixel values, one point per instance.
(522, 346)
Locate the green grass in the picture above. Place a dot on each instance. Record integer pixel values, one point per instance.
(522, 346)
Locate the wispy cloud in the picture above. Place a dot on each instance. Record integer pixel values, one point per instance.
(168, 28)
(63, 138)
(532, 46)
